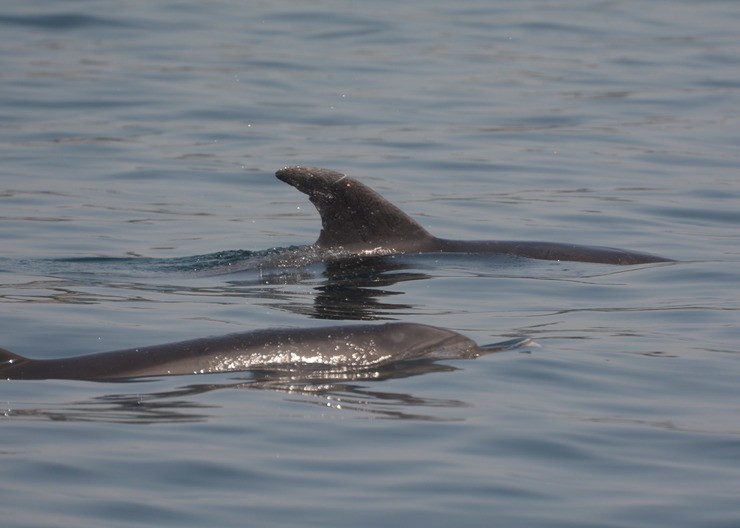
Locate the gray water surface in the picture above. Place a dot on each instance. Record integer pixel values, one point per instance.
(138, 145)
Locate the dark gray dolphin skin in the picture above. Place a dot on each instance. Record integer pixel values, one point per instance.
(330, 349)
(357, 219)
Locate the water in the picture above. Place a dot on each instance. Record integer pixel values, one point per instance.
(135, 139)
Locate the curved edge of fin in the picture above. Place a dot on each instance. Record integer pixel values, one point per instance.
(353, 216)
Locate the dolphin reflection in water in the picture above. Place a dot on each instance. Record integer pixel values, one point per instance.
(335, 349)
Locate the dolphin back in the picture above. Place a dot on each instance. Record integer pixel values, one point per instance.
(337, 349)
(11, 363)
(357, 219)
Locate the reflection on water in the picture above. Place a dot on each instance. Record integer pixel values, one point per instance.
(339, 391)
(351, 288)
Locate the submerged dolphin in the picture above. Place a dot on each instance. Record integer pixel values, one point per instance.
(357, 219)
(327, 349)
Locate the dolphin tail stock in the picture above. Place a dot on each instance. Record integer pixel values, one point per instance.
(353, 216)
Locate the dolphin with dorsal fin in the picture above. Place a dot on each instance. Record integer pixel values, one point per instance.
(357, 219)
(334, 349)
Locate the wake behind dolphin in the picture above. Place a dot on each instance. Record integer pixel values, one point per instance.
(358, 220)
(335, 349)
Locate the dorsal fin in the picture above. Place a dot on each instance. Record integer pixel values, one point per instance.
(353, 216)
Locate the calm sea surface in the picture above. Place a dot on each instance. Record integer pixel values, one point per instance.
(137, 136)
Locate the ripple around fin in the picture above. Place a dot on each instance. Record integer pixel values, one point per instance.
(215, 263)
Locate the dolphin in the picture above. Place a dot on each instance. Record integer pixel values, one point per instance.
(358, 220)
(333, 349)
